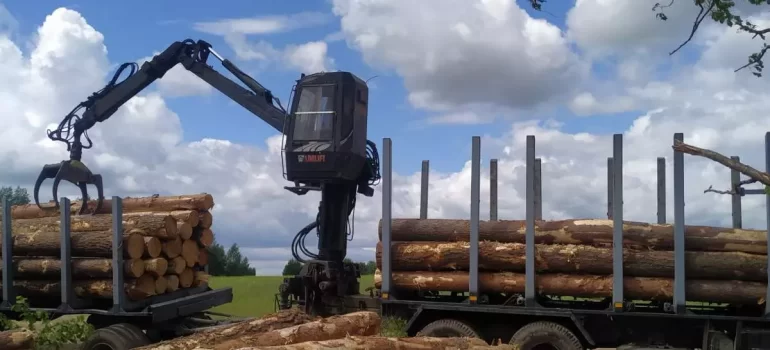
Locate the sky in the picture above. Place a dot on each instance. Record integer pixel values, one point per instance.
(439, 73)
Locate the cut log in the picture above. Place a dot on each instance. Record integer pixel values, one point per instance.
(378, 342)
(136, 289)
(215, 336)
(202, 201)
(172, 248)
(190, 252)
(200, 278)
(744, 169)
(186, 278)
(589, 286)
(191, 217)
(172, 283)
(84, 244)
(204, 237)
(156, 267)
(150, 224)
(176, 266)
(152, 247)
(161, 283)
(206, 219)
(82, 268)
(582, 231)
(203, 256)
(569, 258)
(17, 339)
(184, 229)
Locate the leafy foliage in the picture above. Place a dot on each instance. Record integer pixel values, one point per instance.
(48, 334)
(228, 263)
(18, 195)
(293, 267)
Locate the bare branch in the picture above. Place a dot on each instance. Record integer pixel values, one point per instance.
(698, 19)
(754, 174)
(712, 190)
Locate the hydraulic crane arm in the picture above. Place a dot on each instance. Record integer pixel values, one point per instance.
(103, 104)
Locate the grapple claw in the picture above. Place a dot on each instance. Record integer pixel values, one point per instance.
(75, 172)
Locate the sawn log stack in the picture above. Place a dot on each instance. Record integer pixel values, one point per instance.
(165, 241)
(574, 258)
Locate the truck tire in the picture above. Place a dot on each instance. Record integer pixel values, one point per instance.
(121, 336)
(545, 333)
(448, 328)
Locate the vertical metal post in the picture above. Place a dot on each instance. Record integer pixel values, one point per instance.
(617, 217)
(735, 179)
(475, 202)
(767, 214)
(8, 296)
(65, 230)
(424, 190)
(610, 186)
(387, 191)
(529, 281)
(679, 277)
(661, 190)
(493, 189)
(118, 294)
(538, 190)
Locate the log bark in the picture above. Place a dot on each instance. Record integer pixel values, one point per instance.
(82, 268)
(186, 278)
(172, 248)
(172, 283)
(190, 252)
(156, 267)
(212, 337)
(176, 266)
(17, 339)
(150, 224)
(378, 342)
(206, 219)
(744, 169)
(84, 244)
(569, 258)
(161, 283)
(202, 201)
(136, 289)
(589, 286)
(204, 237)
(152, 247)
(596, 232)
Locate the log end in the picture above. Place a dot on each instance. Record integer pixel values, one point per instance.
(172, 283)
(190, 252)
(186, 278)
(134, 246)
(184, 229)
(161, 283)
(134, 268)
(152, 247)
(205, 219)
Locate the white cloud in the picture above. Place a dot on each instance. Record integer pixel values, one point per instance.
(178, 82)
(140, 149)
(262, 24)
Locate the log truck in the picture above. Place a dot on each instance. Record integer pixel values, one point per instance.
(325, 148)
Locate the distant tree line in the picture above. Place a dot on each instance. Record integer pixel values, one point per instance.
(228, 263)
(293, 267)
(18, 195)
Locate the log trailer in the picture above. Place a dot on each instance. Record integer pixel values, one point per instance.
(473, 305)
(325, 150)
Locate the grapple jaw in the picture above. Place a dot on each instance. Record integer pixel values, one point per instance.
(75, 172)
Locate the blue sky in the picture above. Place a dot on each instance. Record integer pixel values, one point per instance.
(136, 31)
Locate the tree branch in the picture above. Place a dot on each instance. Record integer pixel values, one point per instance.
(753, 174)
(698, 20)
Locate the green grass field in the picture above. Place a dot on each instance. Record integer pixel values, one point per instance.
(254, 296)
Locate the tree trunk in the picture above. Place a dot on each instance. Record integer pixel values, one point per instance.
(82, 268)
(190, 252)
(582, 231)
(136, 289)
(569, 258)
(172, 248)
(377, 342)
(215, 336)
(156, 267)
(186, 278)
(84, 244)
(172, 283)
(150, 223)
(204, 237)
(152, 247)
(206, 219)
(589, 286)
(161, 283)
(176, 266)
(202, 201)
(17, 339)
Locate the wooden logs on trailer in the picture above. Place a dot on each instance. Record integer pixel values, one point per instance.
(162, 241)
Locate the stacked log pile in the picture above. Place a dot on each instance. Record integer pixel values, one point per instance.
(294, 330)
(164, 247)
(574, 258)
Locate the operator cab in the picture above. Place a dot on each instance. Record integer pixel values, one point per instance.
(326, 129)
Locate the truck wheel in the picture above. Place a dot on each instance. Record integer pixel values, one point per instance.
(448, 328)
(543, 334)
(121, 336)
